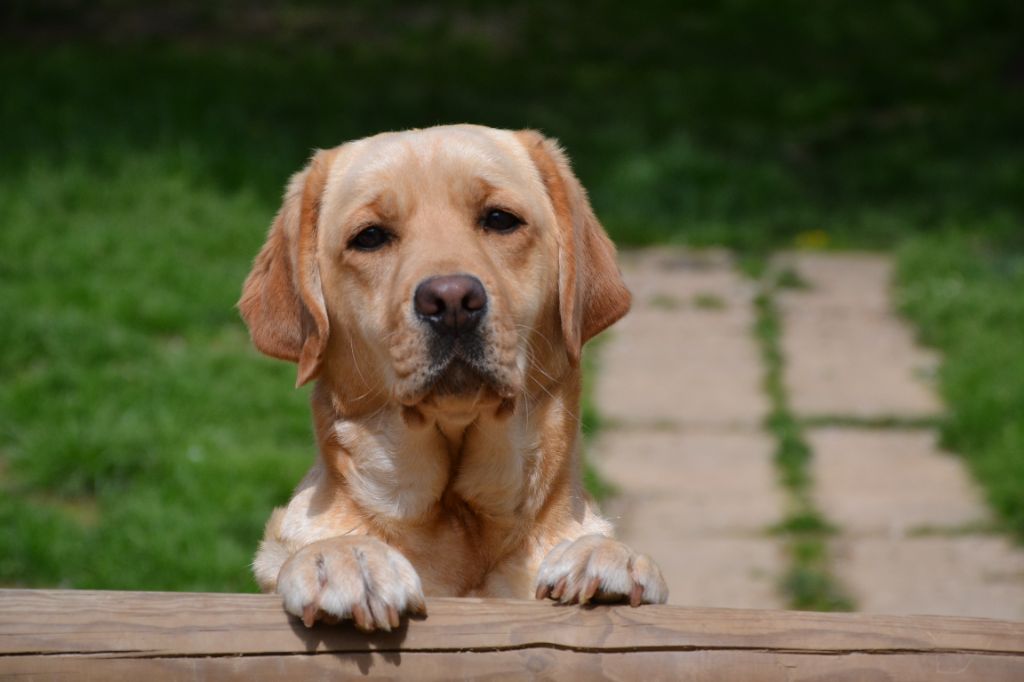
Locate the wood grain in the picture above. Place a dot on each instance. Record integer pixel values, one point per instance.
(124, 635)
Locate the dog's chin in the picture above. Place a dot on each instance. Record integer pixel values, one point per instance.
(459, 379)
(459, 382)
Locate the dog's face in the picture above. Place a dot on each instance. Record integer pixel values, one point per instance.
(434, 266)
(436, 255)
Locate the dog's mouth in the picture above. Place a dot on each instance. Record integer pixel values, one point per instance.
(461, 369)
(459, 378)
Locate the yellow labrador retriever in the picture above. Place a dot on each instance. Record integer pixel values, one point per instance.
(439, 285)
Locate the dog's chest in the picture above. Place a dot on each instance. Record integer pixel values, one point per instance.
(457, 552)
(405, 475)
(456, 513)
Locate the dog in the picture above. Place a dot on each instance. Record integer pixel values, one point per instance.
(439, 285)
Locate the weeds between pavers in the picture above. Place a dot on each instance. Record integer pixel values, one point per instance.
(808, 583)
(894, 422)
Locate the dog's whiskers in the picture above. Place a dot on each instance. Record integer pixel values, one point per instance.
(531, 354)
(530, 332)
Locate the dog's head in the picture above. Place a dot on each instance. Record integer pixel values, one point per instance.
(429, 265)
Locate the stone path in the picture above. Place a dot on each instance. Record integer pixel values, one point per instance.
(912, 520)
(846, 353)
(680, 390)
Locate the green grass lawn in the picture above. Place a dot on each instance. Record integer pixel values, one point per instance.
(142, 440)
(966, 294)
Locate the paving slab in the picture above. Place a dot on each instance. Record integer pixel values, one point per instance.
(674, 278)
(690, 484)
(978, 575)
(684, 354)
(846, 351)
(890, 481)
(850, 280)
(699, 503)
(726, 572)
(906, 510)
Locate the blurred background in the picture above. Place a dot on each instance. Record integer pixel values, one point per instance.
(144, 147)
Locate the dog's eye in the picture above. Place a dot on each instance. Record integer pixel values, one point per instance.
(371, 239)
(497, 220)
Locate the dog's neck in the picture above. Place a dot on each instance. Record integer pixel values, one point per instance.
(500, 461)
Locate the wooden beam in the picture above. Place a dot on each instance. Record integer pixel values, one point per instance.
(163, 636)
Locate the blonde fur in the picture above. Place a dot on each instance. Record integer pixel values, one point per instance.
(419, 492)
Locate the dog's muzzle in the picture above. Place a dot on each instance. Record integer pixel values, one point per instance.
(454, 307)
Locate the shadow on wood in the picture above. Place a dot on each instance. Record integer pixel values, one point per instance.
(163, 636)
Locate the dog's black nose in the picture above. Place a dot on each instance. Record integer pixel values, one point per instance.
(452, 304)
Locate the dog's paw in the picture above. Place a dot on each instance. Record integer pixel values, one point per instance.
(358, 578)
(595, 568)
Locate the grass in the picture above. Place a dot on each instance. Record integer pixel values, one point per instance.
(709, 301)
(788, 278)
(591, 422)
(700, 301)
(880, 422)
(965, 295)
(142, 440)
(808, 582)
(725, 123)
(662, 301)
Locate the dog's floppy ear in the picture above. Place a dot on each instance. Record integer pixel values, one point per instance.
(282, 300)
(591, 293)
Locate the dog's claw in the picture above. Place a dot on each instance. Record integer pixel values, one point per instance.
(636, 595)
(359, 578)
(417, 606)
(590, 590)
(361, 619)
(597, 568)
(543, 590)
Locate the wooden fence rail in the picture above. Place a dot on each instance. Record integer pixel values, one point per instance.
(155, 636)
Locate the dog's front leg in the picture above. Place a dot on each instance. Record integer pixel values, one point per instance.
(596, 568)
(355, 577)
